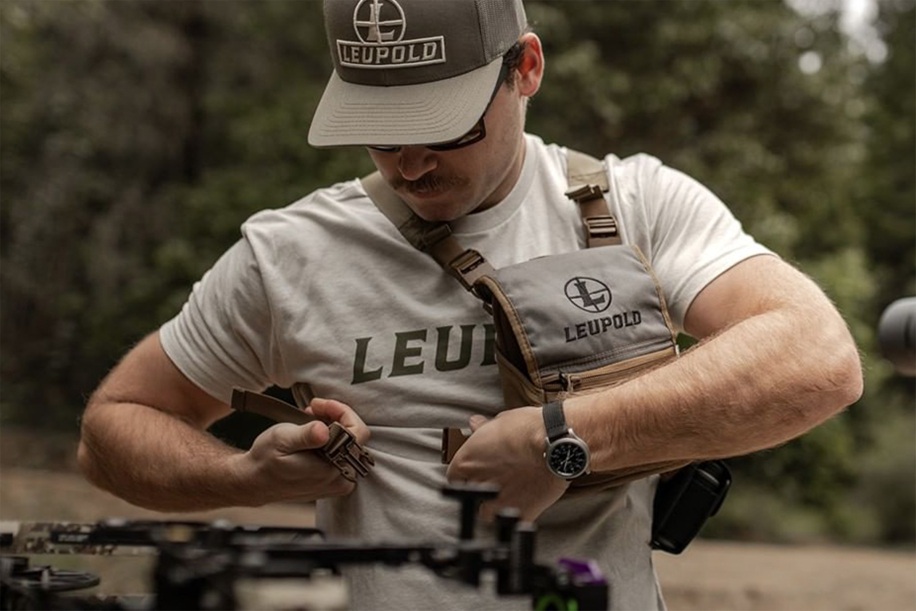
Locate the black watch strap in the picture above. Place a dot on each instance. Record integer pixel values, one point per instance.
(554, 420)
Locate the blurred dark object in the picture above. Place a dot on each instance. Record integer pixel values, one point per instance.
(213, 566)
(685, 501)
(897, 335)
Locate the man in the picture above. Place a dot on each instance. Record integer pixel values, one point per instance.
(327, 292)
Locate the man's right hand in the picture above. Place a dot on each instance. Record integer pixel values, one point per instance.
(283, 463)
(144, 438)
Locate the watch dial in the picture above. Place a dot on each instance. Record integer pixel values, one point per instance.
(568, 459)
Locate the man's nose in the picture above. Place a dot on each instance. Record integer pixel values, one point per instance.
(415, 161)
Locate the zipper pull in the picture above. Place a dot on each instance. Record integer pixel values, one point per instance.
(566, 382)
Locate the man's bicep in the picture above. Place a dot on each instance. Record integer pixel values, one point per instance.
(754, 286)
(693, 239)
(147, 376)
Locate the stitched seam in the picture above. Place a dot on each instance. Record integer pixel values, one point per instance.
(658, 290)
(516, 323)
(608, 354)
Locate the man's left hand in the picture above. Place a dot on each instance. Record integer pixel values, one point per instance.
(509, 451)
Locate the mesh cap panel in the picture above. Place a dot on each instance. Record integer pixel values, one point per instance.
(499, 19)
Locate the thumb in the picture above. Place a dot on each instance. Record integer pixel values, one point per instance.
(476, 421)
(309, 436)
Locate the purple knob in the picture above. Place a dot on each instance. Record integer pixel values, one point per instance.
(583, 572)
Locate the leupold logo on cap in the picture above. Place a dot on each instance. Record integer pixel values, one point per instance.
(380, 27)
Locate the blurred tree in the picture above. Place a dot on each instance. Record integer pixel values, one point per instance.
(886, 205)
(101, 113)
(772, 141)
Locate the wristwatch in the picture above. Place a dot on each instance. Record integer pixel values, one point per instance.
(567, 454)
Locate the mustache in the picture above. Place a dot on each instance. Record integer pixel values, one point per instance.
(428, 183)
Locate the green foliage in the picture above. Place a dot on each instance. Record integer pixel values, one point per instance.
(137, 136)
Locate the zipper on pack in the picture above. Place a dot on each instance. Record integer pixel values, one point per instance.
(557, 382)
(571, 382)
(567, 382)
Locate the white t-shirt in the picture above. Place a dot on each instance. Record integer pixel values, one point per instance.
(327, 292)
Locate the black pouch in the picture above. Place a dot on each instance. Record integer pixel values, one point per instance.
(685, 501)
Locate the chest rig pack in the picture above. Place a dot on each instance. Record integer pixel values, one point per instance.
(567, 324)
(573, 324)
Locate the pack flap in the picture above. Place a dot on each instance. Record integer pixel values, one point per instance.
(585, 309)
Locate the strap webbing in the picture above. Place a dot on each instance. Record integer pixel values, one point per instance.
(267, 406)
(588, 182)
(466, 265)
(421, 234)
(582, 169)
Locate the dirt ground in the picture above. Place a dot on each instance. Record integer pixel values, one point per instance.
(710, 575)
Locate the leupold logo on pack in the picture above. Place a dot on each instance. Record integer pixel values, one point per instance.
(588, 294)
(380, 27)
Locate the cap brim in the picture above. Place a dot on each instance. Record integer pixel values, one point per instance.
(428, 113)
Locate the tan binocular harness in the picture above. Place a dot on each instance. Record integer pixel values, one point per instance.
(556, 333)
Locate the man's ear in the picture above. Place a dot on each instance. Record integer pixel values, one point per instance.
(531, 65)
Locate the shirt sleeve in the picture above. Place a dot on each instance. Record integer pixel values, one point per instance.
(693, 236)
(223, 336)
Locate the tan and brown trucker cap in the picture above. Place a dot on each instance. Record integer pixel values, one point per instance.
(410, 72)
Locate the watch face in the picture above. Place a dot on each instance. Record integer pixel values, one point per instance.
(568, 459)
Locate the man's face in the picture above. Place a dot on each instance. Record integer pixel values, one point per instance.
(446, 185)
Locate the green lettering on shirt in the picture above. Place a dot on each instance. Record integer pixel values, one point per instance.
(359, 363)
(464, 355)
(402, 352)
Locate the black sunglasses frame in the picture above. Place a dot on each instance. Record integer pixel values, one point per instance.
(473, 136)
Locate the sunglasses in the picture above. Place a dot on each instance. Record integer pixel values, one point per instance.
(475, 135)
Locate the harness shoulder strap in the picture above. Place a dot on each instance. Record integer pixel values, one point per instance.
(588, 182)
(582, 169)
(435, 238)
(421, 234)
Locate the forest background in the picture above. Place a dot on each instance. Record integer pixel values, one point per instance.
(135, 138)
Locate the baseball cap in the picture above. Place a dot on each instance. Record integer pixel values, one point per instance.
(411, 72)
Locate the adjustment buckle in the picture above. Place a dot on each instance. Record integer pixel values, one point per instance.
(344, 452)
(584, 193)
(601, 227)
(469, 267)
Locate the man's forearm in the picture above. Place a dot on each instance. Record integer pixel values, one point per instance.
(759, 383)
(157, 461)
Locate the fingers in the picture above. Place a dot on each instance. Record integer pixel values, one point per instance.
(330, 410)
(291, 438)
(452, 475)
(335, 411)
(476, 421)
